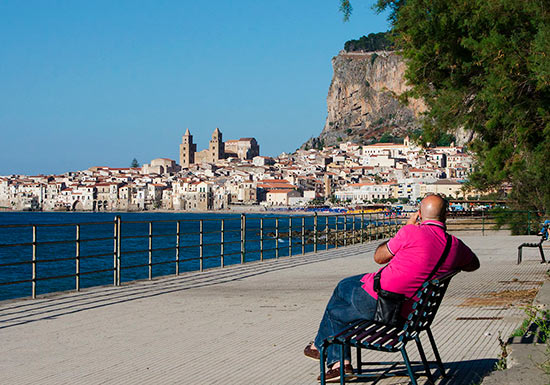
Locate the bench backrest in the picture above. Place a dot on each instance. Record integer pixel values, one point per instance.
(426, 303)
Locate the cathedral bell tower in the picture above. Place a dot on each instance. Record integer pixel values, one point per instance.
(216, 149)
(187, 150)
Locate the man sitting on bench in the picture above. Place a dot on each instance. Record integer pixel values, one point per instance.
(411, 256)
(544, 231)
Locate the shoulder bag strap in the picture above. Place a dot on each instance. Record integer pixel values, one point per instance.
(443, 256)
(376, 280)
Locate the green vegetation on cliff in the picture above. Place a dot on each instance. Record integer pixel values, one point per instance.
(372, 42)
(483, 66)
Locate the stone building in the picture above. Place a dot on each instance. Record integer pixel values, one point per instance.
(161, 166)
(244, 148)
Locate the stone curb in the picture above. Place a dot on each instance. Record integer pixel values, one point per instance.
(524, 354)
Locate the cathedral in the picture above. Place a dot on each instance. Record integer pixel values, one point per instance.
(244, 148)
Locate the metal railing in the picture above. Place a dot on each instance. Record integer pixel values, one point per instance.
(57, 257)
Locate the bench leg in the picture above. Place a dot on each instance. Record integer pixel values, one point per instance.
(323, 361)
(424, 360)
(436, 352)
(409, 367)
(542, 253)
(359, 364)
(342, 358)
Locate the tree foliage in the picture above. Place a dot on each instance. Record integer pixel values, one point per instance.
(372, 42)
(134, 163)
(484, 66)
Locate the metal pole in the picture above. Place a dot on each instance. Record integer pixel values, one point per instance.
(201, 245)
(115, 245)
(354, 235)
(345, 230)
(243, 238)
(34, 261)
(290, 236)
(336, 231)
(177, 247)
(222, 246)
(483, 223)
(261, 239)
(118, 251)
(150, 250)
(376, 225)
(303, 235)
(362, 226)
(369, 226)
(77, 275)
(276, 237)
(315, 233)
(326, 232)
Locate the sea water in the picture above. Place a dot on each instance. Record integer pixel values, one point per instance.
(56, 258)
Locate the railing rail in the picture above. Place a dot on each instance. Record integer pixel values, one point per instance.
(76, 255)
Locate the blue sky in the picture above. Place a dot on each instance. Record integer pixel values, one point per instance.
(86, 83)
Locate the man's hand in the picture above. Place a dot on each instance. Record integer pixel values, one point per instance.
(413, 219)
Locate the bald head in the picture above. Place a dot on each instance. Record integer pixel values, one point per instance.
(433, 208)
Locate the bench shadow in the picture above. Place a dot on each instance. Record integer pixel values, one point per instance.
(467, 372)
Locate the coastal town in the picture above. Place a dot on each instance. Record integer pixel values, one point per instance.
(230, 174)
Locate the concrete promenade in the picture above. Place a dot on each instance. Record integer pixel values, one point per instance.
(249, 324)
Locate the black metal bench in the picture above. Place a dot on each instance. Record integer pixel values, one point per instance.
(368, 334)
(527, 244)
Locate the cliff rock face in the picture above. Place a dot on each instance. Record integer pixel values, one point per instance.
(363, 99)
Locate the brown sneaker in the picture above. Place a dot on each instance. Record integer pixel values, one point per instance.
(312, 353)
(333, 375)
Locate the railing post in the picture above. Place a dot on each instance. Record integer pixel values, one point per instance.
(482, 222)
(276, 237)
(177, 247)
(353, 242)
(150, 264)
(243, 238)
(336, 231)
(362, 226)
(369, 226)
(222, 246)
(326, 232)
(345, 230)
(118, 251)
(77, 260)
(376, 225)
(261, 239)
(303, 235)
(34, 261)
(315, 233)
(290, 236)
(201, 245)
(115, 245)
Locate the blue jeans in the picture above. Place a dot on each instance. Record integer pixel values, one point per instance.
(349, 303)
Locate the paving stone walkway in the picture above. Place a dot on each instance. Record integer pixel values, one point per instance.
(245, 324)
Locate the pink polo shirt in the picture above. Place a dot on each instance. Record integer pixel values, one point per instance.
(416, 251)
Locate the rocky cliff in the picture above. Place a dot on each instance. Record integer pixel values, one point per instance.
(363, 99)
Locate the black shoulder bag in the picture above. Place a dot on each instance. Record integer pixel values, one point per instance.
(388, 305)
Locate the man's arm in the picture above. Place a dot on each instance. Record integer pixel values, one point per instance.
(472, 265)
(382, 254)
